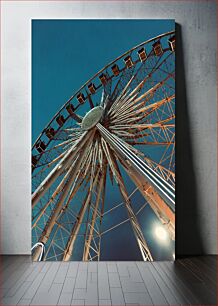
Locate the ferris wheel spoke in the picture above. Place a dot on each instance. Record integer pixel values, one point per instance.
(51, 222)
(159, 112)
(147, 133)
(48, 158)
(155, 165)
(138, 87)
(136, 110)
(145, 252)
(115, 226)
(127, 74)
(165, 189)
(52, 155)
(167, 155)
(126, 96)
(149, 143)
(156, 202)
(133, 135)
(94, 159)
(89, 238)
(71, 195)
(52, 198)
(148, 69)
(132, 106)
(121, 105)
(56, 149)
(146, 255)
(102, 211)
(142, 126)
(165, 172)
(51, 244)
(121, 99)
(160, 135)
(121, 203)
(44, 166)
(167, 72)
(149, 93)
(64, 162)
(75, 230)
(74, 189)
(124, 102)
(68, 130)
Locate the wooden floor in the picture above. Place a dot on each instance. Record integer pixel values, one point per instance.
(188, 281)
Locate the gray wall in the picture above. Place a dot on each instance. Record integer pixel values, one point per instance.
(196, 113)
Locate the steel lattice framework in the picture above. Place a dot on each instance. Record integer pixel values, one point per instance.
(129, 131)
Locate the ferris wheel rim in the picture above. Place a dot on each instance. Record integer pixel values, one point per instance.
(94, 76)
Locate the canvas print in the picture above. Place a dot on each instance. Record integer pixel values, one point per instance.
(103, 134)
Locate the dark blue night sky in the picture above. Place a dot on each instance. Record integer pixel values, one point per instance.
(65, 54)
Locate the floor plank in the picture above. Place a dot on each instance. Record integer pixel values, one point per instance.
(169, 269)
(155, 292)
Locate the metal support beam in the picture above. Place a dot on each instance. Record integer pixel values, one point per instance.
(52, 220)
(90, 235)
(145, 252)
(64, 162)
(166, 191)
(70, 244)
(160, 208)
(163, 211)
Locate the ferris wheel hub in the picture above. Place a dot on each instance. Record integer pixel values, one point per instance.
(92, 118)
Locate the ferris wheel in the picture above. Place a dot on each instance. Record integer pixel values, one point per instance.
(117, 130)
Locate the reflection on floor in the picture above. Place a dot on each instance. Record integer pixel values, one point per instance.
(188, 281)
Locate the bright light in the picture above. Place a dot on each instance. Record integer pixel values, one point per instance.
(161, 233)
(174, 256)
